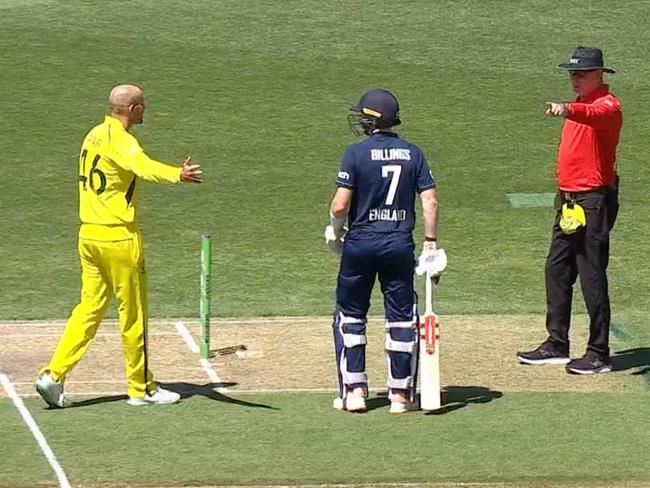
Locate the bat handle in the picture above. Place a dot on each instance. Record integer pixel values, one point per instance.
(428, 289)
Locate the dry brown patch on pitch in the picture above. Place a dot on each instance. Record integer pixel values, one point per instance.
(475, 351)
(25, 349)
(285, 353)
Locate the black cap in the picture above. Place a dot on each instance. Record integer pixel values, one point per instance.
(381, 105)
(586, 59)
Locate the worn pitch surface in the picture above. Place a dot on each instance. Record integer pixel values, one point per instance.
(296, 353)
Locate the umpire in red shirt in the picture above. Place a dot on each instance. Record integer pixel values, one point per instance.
(587, 205)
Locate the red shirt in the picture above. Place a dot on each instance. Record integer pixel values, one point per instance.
(587, 154)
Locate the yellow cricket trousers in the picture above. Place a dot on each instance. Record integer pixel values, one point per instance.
(109, 268)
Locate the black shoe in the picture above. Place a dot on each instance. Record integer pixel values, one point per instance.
(590, 363)
(546, 353)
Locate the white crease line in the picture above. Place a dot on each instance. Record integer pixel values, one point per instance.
(191, 321)
(205, 364)
(264, 391)
(187, 337)
(298, 390)
(299, 319)
(220, 390)
(73, 396)
(69, 383)
(252, 391)
(58, 334)
(36, 432)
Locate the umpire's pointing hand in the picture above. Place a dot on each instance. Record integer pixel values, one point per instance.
(191, 173)
(554, 109)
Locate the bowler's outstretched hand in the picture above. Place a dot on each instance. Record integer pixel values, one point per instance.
(191, 173)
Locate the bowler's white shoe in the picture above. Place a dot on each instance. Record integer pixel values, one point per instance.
(159, 397)
(51, 391)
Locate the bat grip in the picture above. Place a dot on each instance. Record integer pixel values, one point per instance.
(428, 291)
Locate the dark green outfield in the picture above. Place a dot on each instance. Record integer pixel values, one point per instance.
(573, 438)
(23, 461)
(257, 91)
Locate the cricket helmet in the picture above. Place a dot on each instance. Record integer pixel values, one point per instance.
(377, 109)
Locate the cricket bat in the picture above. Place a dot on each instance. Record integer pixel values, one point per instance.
(429, 352)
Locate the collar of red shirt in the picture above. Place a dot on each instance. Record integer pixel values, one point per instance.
(601, 91)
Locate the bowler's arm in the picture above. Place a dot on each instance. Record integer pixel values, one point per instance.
(151, 170)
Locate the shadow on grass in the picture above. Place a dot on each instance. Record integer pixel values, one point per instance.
(643, 372)
(379, 401)
(452, 398)
(98, 400)
(457, 397)
(186, 390)
(209, 390)
(631, 359)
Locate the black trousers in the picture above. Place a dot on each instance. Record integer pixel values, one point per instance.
(584, 254)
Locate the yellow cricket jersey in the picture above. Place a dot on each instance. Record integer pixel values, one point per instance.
(111, 160)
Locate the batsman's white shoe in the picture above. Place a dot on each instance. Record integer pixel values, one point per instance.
(400, 403)
(159, 397)
(351, 404)
(355, 401)
(338, 404)
(355, 404)
(399, 407)
(51, 391)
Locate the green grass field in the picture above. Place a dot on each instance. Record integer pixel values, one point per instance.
(203, 441)
(257, 92)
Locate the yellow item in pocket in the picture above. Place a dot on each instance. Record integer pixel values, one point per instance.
(573, 217)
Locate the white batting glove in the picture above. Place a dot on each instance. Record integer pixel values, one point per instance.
(432, 260)
(334, 240)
